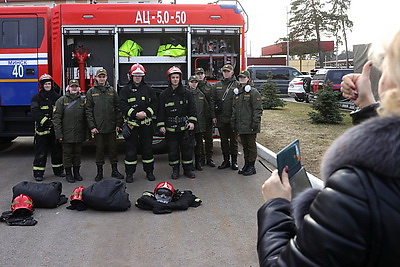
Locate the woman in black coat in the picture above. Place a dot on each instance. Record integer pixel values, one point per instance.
(354, 220)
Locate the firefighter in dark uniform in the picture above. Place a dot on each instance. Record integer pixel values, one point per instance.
(71, 129)
(211, 122)
(203, 115)
(138, 103)
(176, 118)
(246, 119)
(42, 105)
(223, 96)
(104, 120)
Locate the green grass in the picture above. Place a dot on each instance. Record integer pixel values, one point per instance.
(283, 125)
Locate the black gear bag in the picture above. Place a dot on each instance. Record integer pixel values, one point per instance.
(107, 194)
(43, 195)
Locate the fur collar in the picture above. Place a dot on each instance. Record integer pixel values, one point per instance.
(372, 145)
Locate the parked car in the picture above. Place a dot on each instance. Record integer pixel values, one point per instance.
(328, 76)
(281, 75)
(299, 88)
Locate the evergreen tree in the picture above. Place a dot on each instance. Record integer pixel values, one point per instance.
(326, 106)
(269, 94)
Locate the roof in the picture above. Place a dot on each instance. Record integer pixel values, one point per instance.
(296, 48)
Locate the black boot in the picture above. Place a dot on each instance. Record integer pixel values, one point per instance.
(246, 164)
(210, 163)
(250, 169)
(38, 175)
(197, 163)
(68, 175)
(175, 172)
(129, 177)
(77, 175)
(60, 173)
(234, 165)
(150, 176)
(130, 170)
(225, 164)
(187, 171)
(115, 173)
(99, 175)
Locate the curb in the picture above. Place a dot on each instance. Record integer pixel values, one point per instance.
(270, 157)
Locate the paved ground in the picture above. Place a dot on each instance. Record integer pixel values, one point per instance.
(221, 232)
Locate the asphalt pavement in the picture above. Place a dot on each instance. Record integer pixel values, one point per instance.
(220, 232)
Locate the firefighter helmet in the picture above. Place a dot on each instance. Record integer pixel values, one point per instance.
(45, 78)
(22, 204)
(77, 193)
(137, 70)
(164, 192)
(174, 70)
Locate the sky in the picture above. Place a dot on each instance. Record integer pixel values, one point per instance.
(373, 21)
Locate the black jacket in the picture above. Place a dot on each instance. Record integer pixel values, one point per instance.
(176, 109)
(354, 220)
(134, 99)
(42, 105)
(182, 201)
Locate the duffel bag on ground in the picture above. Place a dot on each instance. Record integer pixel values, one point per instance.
(107, 194)
(43, 195)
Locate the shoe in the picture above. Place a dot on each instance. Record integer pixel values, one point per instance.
(61, 174)
(189, 174)
(99, 175)
(250, 169)
(150, 176)
(225, 164)
(68, 175)
(39, 178)
(210, 163)
(234, 165)
(77, 175)
(115, 173)
(175, 172)
(197, 165)
(129, 178)
(246, 165)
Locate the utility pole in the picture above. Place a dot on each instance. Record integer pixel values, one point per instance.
(287, 37)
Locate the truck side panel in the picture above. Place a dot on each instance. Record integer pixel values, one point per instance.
(23, 58)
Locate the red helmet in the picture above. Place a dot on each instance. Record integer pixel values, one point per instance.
(137, 70)
(174, 70)
(77, 193)
(45, 78)
(164, 192)
(22, 204)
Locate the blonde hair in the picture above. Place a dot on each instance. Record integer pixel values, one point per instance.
(390, 103)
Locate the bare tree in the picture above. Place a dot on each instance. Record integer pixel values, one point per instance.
(340, 22)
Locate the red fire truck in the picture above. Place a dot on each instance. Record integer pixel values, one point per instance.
(74, 40)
